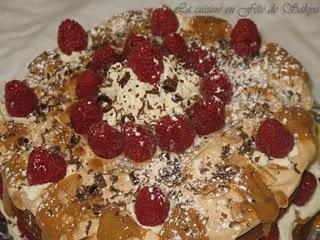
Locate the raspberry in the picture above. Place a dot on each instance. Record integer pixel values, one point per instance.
(83, 114)
(245, 38)
(103, 57)
(133, 40)
(105, 141)
(26, 233)
(216, 84)
(175, 133)
(273, 234)
(20, 99)
(175, 44)
(207, 116)
(72, 37)
(146, 62)
(151, 206)
(44, 167)
(274, 139)
(201, 60)
(305, 190)
(139, 142)
(164, 21)
(88, 84)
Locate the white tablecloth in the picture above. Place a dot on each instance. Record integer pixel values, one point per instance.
(28, 27)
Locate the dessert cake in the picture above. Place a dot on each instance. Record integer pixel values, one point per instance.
(160, 126)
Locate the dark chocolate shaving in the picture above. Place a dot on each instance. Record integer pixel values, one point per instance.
(170, 84)
(225, 151)
(177, 98)
(246, 147)
(22, 141)
(55, 149)
(133, 178)
(114, 178)
(97, 209)
(154, 91)
(74, 140)
(92, 190)
(104, 99)
(75, 160)
(224, 43)
(99, 180)
(124, 80)
(127, 117)
(107, 109)
(88, 227)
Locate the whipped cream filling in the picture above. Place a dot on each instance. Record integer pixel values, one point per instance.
(286, 224)
(288, 221)
(263, 160)
(178, 88)
(12, 224)
(74, 57)
(33, 195)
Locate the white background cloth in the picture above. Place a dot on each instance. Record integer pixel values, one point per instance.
(28, 27)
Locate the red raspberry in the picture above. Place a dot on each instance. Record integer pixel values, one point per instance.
(305, 190)
(164, 21)
(207, 116)
(72, 37)
(273, 234)
(88, 84)
(26, 233)
(175, 44)
(105, 141)
(133, 40)
(83, 114)
(245, 38)
(151, 206)
(139, 142)
(44, 167)
(175, 133)
(146, 62)
(103, 57)
(274, 139)
(20, 99)
(201, 60)
(216, 84)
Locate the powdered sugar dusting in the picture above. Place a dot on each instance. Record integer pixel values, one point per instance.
(148, 103)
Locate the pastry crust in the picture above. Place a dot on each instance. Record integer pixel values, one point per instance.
(213, 184)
